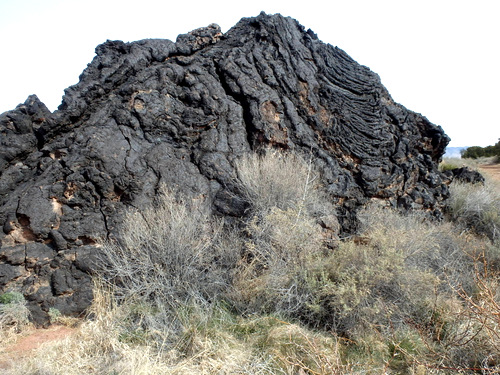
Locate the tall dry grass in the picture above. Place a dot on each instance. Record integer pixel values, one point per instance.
(476, 207)
(168, 252)
(281, 180)
(214, 341)
(183, 293)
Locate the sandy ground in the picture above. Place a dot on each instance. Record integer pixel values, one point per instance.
(29, 342)
(493, 170)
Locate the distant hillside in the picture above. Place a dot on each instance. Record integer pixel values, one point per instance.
(453, 152)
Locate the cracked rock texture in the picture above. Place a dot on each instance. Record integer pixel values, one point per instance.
(155, 111)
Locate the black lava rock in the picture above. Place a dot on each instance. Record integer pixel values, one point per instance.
(465, 174)
(154, 111)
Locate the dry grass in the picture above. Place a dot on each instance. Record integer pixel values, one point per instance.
(169, 254)
(280, 180)
(183, 294)
(476, 207)
(451, 163)
(214, 342)
(95, 349)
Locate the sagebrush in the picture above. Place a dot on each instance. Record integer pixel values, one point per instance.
(279, 293)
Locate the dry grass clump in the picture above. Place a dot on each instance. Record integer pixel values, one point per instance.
(185, 294)
(297, 350)
(476, 207)
(95, 349)
(106, 344)
(280, 180)
(214, 341)
(169, 255)
(14, 317)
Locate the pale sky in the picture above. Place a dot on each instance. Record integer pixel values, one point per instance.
(440, 58)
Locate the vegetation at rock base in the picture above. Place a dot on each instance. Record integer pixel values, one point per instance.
(14, 317)
(181, 113)
(279, 293)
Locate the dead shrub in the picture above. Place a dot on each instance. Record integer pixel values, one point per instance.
(277, 250)
(281, 180)
(168, 255)
(476, 207)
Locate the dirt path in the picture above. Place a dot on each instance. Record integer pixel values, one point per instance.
(493, 170)
(25, 345)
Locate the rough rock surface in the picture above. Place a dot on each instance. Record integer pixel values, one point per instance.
(155, 111)
(465, 174)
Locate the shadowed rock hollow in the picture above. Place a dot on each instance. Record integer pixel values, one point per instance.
(155, 111)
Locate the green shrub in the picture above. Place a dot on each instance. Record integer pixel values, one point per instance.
(402, 269)
(13, 311)
(475, 152)
(451, 163)
(11, 297)
(54, 315)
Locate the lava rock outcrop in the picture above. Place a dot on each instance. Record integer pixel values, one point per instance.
(155, 111)
(465, 175)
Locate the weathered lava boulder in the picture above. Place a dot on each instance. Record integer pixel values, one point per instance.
(155, 111)
(466, 175)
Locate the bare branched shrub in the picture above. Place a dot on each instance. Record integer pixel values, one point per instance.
(474, 338)
(169, 253)
(476, 207)
(281, 180)
(282, 233)
(277, 250)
